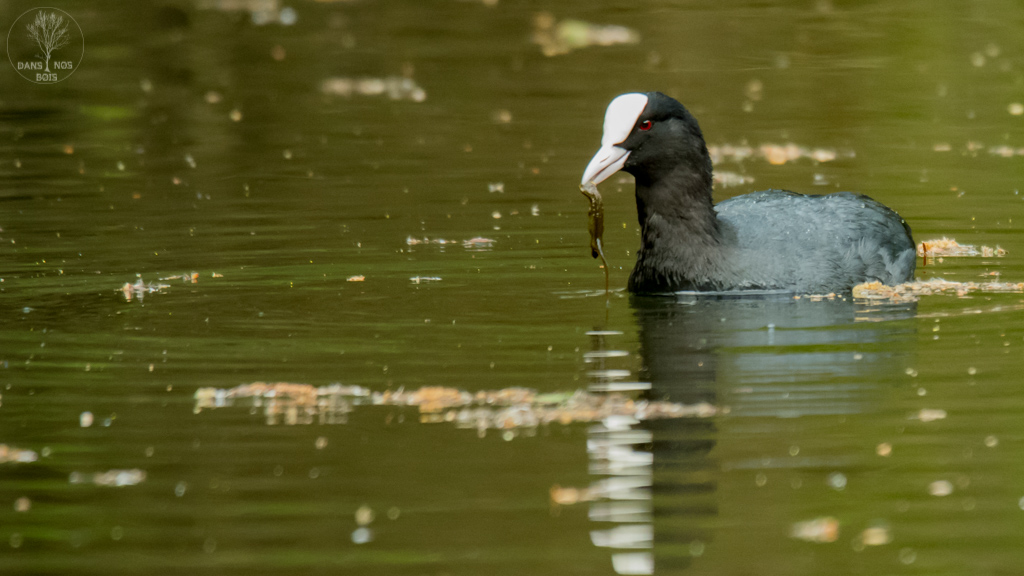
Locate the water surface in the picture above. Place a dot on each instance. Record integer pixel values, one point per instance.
(435, 237)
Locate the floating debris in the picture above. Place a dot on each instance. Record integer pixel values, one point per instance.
(362, 535)
(365, 515)
(113, 478)
(836, 481)
(1006, 151)
(285, 403)
(730, 153)
(477, 243)
(972, 148)
(730, 179)
(948, 247)
(820, 530)
(505, 409)
(139, 289)
(876, 536)
(424, 279)
(556, 38)
(775, 154)
(912, 291)
(940, 488)
(262, 12)
(394, 87)
(928, 415)
(501, 116)
(410, 241)
(191, 277)
(831, 296)
(12, 455)
(754, 90)
(569, 496)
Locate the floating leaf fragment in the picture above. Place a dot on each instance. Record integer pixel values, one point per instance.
(139, 289)
(949, 247)
(191, 277)
(730, 179)
(261, 12)
(12, 455)
(557, 38)
(501, 116)
(775, 154)
(111, 478)
(504, 409)
(394, 87)
(878, 535)
(424, 279)
(940, 488)
(478, 243)
(912, 291)
(819, 530)
(365, 515)
(929, 415)
(569, 496)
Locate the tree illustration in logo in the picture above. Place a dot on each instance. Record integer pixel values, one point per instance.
(50, 32)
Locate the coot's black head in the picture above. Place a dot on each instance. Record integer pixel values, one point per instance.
(653, 137)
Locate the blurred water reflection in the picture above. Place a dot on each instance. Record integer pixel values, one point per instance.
(767, 356)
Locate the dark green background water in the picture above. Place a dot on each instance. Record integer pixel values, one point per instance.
(131, 167)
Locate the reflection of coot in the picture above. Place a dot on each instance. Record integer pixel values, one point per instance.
(700, 348)
(766, 240)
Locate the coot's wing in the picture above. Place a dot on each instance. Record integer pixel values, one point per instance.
(817, 243)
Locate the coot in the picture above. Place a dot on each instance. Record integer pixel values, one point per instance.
(770, 240)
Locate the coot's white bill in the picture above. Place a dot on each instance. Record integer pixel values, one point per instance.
(607, 161)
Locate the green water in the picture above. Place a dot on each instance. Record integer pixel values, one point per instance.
(193, 138)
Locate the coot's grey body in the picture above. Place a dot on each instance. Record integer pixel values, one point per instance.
(770, 240)
(780, 240)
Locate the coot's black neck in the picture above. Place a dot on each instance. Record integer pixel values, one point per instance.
(682, 243)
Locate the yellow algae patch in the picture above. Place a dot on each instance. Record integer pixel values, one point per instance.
(912, 291)
(504, 409)
(948, 247)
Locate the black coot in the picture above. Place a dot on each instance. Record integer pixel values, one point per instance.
(770, 240)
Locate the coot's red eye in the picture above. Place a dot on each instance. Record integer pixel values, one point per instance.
(645, 125)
